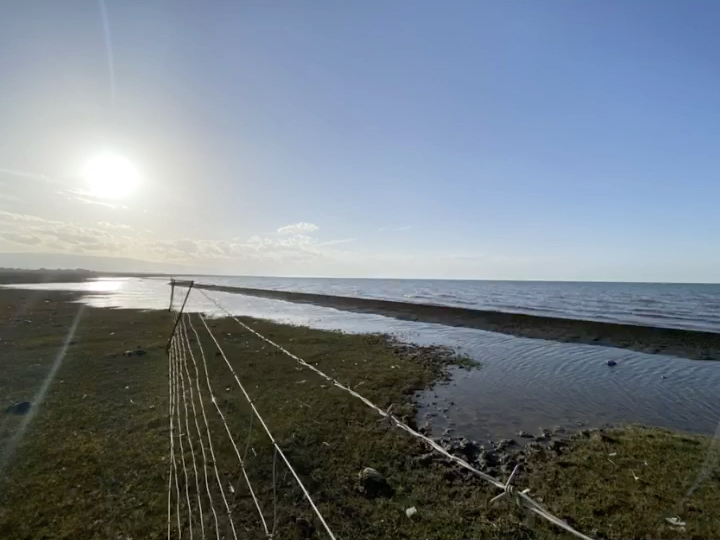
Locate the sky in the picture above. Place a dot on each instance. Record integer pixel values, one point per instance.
(554, 140)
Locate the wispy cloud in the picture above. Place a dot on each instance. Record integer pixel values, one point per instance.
(298, 228)
(336, 242)
(25, 174)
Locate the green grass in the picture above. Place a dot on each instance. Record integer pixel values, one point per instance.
(624, 483)
(94, 461)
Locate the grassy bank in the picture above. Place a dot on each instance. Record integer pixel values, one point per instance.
(94, 460)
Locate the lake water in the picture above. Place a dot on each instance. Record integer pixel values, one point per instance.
(674, 305)
(524, 384)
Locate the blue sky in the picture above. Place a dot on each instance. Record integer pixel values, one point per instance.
(501, 140)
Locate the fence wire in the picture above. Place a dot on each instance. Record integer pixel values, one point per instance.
(509, 490)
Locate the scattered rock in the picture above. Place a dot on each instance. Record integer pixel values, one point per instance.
(425, 428)
(373, 484)
(525, 435)
(21, 407)
(556, 446)
(410, 512)
(534, 446)
(611, 363)
(505, 444)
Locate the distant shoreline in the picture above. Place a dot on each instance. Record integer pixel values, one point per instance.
(692, 344)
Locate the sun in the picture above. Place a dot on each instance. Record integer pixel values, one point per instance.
(111, 176)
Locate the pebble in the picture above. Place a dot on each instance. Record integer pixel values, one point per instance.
(410, 512)
(374, 484)
(611, 363)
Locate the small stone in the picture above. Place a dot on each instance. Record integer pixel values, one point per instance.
(611, 363)
(425, 428)
(410, 512)
(556, 446)
(505, 443)
(525, 435)
(373, 484)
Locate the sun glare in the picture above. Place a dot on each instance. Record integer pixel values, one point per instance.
(111, 176)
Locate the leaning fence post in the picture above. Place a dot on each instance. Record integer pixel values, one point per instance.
(172, 293)
(180, 313)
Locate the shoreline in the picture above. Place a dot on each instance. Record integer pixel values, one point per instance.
(691, 344)
(106, 417)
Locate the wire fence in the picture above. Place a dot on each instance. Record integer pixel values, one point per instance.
(179, 349)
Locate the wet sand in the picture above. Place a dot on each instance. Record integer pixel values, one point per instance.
(691, 344)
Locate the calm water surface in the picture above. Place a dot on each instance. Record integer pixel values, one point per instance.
(523, 383)
(674, 305)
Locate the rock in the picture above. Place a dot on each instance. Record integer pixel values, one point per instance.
(556, 446)
(534, 447)
(611, 363)
(410, 512)
(525, 435)
(21, 407)
(488, 457)
(504, 457)
(504, 444)
(425, 428)
(373, 484)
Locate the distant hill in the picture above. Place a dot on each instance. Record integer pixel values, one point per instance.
(65, 261)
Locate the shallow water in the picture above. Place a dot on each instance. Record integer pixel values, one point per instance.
(523, 383)
(673, 305)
